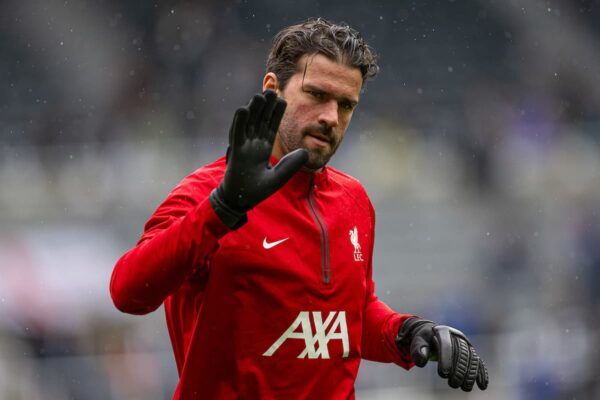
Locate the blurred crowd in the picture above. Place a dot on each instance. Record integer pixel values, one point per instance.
(479, 144)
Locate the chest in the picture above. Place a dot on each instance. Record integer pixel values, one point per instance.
(314, 246)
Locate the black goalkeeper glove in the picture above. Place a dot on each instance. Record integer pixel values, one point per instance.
(249, 179)
(457, 360)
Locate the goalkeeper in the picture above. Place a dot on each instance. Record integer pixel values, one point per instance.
(263, 258)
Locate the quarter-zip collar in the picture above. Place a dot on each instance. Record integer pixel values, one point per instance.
(304, 184)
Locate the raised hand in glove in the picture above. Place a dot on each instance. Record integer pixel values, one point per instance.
(457, 360)
(249, 179)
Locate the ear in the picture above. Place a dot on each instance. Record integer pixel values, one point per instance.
(271, 82)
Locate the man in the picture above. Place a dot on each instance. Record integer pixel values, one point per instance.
(266, 272)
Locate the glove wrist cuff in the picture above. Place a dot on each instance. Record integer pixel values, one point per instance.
(230, 217)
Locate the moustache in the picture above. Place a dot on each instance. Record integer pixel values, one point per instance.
(320, 130)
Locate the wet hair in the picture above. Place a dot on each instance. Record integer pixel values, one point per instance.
(339, 43)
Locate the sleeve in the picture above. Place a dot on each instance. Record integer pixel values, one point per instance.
(178, 241)
(380, 322)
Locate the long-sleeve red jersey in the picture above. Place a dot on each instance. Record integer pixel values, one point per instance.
(281, 308)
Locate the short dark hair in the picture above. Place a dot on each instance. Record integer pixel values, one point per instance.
(337, 42)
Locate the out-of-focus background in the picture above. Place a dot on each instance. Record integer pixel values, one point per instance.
(478, 143)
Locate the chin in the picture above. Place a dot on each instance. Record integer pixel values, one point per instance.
(316, 162)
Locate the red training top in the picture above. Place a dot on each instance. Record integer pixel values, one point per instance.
(282, 308)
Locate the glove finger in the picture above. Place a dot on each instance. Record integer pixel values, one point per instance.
(419, 351)
(287, 167)
(482, 376)
(264, 123)
(443, 345)
(276, 118)
(472, 368)
(270, 102)
(255, 107)
(237, 133)
(460, 363)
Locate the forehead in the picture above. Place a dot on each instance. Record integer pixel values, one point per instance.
(333, 77)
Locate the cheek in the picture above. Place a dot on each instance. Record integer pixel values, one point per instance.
(287, 122)
(341, 128)
(345, 119)
(338, 139)
(295, 118)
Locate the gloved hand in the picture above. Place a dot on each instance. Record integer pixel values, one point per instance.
(249, 179)
(457, 360)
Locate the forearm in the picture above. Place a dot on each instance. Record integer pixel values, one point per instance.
(144, 276)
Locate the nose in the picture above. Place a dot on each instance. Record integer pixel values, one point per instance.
(329, 114)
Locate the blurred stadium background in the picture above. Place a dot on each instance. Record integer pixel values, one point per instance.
(478, 143)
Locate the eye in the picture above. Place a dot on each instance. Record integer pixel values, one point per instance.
(347, 105)
(317, 94)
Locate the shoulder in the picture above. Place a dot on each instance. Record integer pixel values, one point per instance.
(190, 192)
(351, 185)
(207, 176)
(197, 186)
(346, 181)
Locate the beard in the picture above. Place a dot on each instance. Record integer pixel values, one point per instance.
(294, 138)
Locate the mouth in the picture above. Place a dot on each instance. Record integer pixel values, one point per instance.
(318, 139)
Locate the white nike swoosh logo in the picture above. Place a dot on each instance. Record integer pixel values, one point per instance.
(268, 245)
